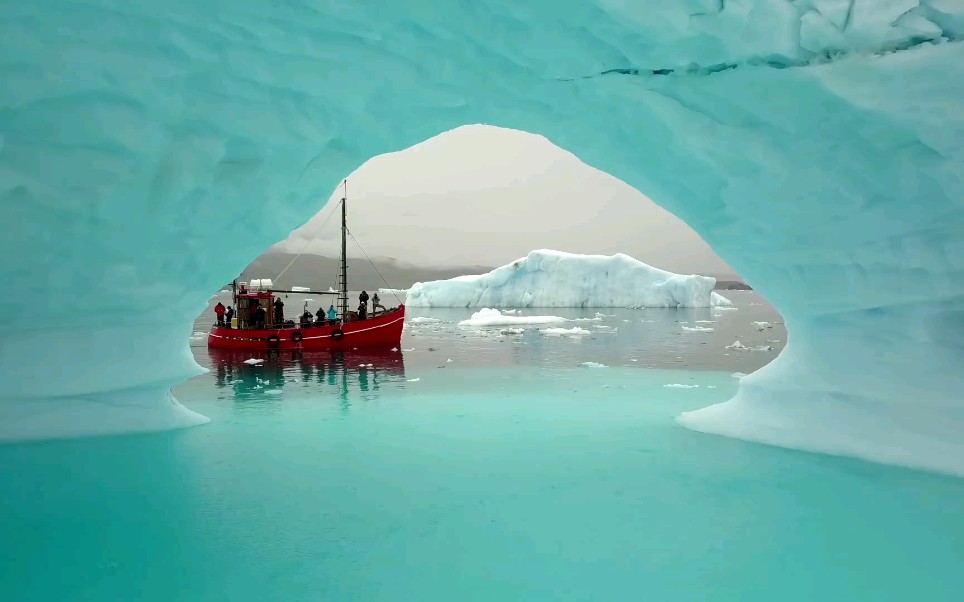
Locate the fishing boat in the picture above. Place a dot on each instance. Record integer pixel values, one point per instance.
(255, 326)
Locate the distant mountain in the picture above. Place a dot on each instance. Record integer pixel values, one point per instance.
(319, 273)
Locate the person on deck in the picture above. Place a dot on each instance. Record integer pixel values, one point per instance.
(320, 316)
(279, 312)
(228, 315)
(362, 310)
(332, 315)
(363, 299)
(376, 303)
(219, 312)
(260, 315)
(252, 313)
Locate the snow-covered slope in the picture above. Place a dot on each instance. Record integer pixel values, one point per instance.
(150, 150)
(547, 278)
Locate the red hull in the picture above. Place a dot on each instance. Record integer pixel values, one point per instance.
(381, 331)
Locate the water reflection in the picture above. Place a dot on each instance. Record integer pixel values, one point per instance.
(357, 374)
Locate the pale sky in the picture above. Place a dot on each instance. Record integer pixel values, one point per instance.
(481, 195)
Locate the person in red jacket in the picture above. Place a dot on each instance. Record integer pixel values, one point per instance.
(219, 312)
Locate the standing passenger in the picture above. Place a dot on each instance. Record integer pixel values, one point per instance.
(363, 299)
(219, 312)
(279, 312)
(332, 315)
(362, 310)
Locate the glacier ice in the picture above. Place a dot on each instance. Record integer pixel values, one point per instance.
(547, 278)
(149, 151)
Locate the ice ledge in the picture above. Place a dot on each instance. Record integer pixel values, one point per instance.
(118, 412)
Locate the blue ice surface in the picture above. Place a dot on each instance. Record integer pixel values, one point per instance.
(148, 151)
(473, 483)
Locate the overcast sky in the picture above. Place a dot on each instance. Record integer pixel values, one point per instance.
(484, 196)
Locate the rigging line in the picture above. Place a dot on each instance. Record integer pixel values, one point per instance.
(387, 285)
(305, 246)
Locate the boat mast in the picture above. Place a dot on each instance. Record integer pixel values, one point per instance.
(343, 294)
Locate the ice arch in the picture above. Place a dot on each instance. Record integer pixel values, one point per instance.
(150, 149)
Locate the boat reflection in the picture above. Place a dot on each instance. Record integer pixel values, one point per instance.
(348, 374)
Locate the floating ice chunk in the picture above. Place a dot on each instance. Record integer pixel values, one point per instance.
(411, 349)
(393, 291)
(512, 331)
(680, 386)
(719, 300)
(448, 361)
(697, 329)
(423, 320)
(510, 311)
(331, 290)
(762, 325)
(738, 375)
(300, 289)
(493, 317)
(710, 386)
(633, 359)
(414, 380)
(738, 346)
(394, 349)
(703, 322)
(593, 365)
(547, 278)
(773, 340)
(601, 326)
(253, 361)
(574, 331)
(719, 308)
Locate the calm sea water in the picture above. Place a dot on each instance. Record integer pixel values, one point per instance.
(512, 472)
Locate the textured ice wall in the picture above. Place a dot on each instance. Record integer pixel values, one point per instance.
(547, 278)
(148, 150)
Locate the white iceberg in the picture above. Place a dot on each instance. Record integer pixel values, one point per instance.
(697, 329)
(680, 386)
(423, 320)
(300, 289)
(493, 317)
(547, 278)
(593, 365)
(574, 331)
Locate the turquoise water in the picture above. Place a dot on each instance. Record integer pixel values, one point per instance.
(319, 479)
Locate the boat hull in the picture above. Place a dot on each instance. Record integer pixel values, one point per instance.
(381, 331)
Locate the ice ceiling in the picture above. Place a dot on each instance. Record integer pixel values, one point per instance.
(149, 150)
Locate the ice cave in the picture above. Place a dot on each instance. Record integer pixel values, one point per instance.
(817, 145)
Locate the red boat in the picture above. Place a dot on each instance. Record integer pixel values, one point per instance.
(256, 327)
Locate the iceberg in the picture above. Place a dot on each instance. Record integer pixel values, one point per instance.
(149, 152)
(493, 317)
(547, 278)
